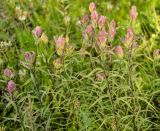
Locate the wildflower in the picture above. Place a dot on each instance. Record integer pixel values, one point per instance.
(119, 51)
(102, 36)
(129, 37)
(102, 43)
(7, 73)
(89, 29)
(29, 56)
(60, 43)
(57, 63)
(112, 30)
(84, 20)
(44, 38)
(37, 31)
(102, 21)
(22, 72)
(133, 13)
(69, 49)
(94, 18)
(92, 7)
(11, 86)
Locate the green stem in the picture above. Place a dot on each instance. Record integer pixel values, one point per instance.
(131, 85)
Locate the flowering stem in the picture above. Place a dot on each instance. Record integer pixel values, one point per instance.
(131, 85)
(110, 88)
(34, 70)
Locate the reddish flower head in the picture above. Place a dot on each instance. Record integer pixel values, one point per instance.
(94, 16)
(133, 13)
(60, 41)
(85, 19)
(119, 51)
(37, 31)
(7, 73)
(102, 36)
(112, 30)
(92, 7)
(89, 29)
(102, 21)
(11, 86)
(129, 35)
(29, 56)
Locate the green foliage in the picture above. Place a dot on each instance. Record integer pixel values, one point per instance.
(78, 90)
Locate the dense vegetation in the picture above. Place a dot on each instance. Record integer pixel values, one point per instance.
(79, 65)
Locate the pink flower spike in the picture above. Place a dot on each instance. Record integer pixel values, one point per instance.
(37, 31)
(133, 13)
(89, 29)
(60, 41)
(102, 21)
(94, 16)
(11, 86)
(112, 30)
(92, 7)
(129, 35)
(85, 19)
(7, 73)
(102, 36)
(119, 51)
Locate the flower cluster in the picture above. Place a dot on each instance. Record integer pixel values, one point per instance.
(94, 31)
(8, 74)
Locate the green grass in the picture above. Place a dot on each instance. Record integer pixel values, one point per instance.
(69, 95)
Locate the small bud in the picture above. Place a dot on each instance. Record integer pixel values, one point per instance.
(22, 74)
(11, 86)
(100, 76)
(112, 30)
(18, 11)
(92, 7)
(119, 51)
(133, 13)
(85, 19)
(7, 73)
(44, 38)
(37, 32)
(102, 21)
(69, 49)
(29, 56)
(156, 53)
(57, 63)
